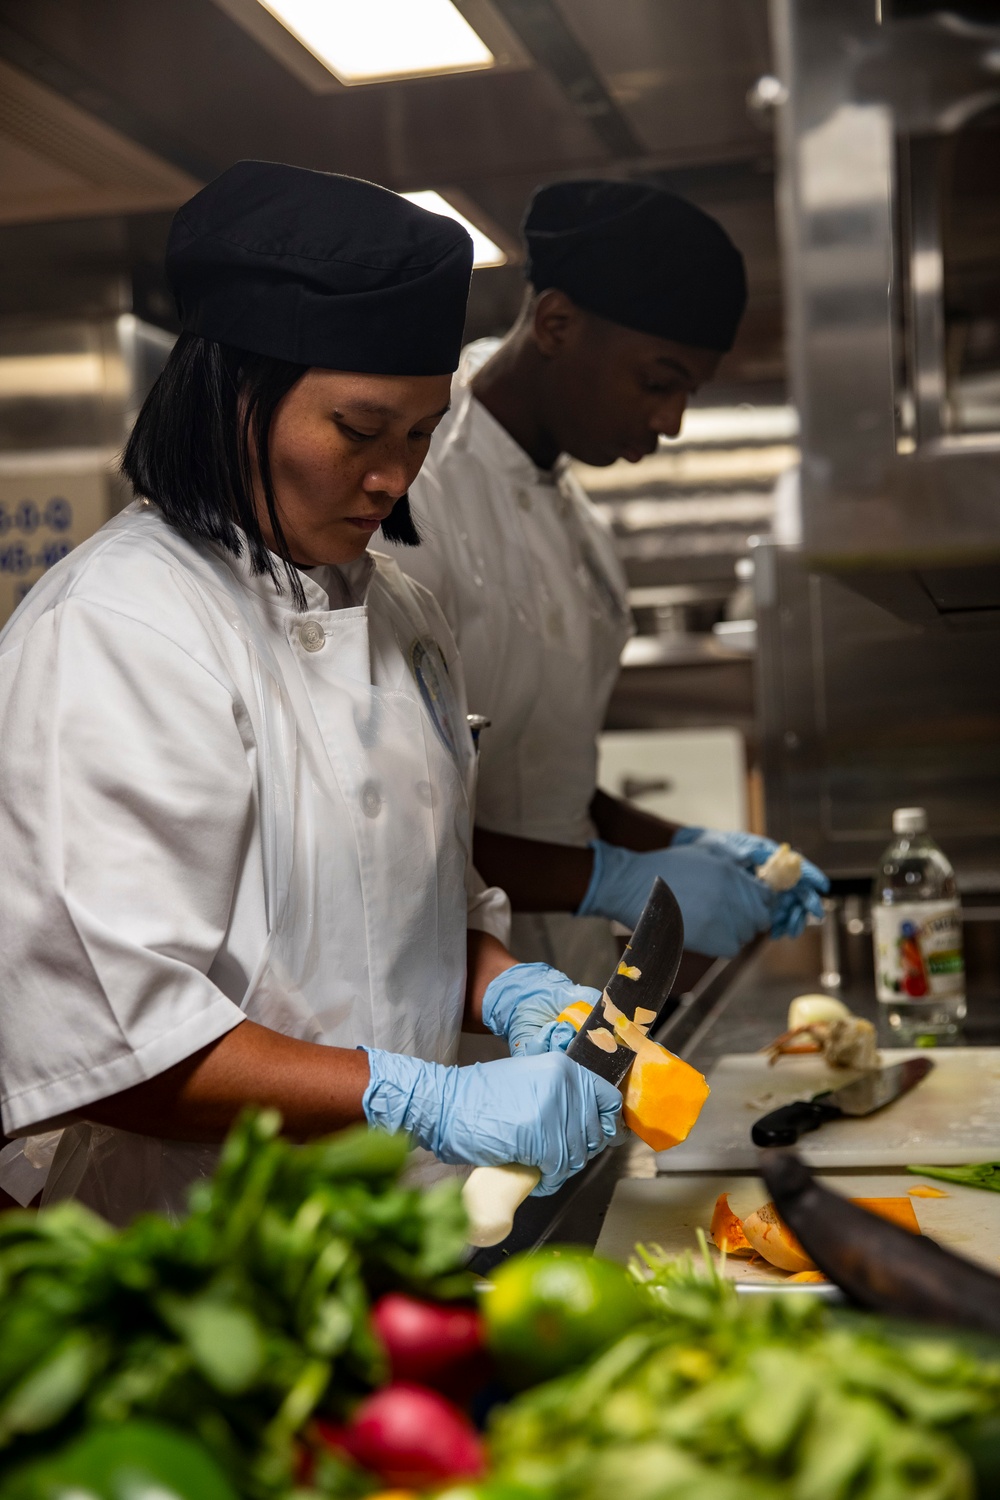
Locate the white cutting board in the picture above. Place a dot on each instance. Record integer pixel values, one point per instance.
(667, 1211)
(951, 1117)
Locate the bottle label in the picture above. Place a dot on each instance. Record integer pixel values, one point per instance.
(918, 951)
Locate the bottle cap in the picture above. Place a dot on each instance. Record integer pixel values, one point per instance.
(909, 820)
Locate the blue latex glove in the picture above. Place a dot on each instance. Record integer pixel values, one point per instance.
(793, 907)
(522, 1003)
(723, 907)
(545, 1112)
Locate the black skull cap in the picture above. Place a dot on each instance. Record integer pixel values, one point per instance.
(640, 256)
(322, 270)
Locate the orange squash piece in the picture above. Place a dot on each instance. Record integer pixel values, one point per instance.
(927, 1192)
(812, 1276)
(727, 1230)
(576, 1013)
(663, 1095)
(773, 1240)
(896, 1210)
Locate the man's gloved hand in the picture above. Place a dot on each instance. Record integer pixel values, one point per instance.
(748, 850)
(723, 907)
(545, 1112)
(522, 1004)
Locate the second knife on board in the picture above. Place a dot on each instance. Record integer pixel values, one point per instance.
(871, 1092)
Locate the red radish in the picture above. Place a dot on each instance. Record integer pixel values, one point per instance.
(424, 1340)
(409, 1436)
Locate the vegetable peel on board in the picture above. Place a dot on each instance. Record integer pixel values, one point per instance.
(764, 1233)
(878, 1264)
(662, 1095)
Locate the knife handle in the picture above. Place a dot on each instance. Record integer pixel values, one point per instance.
(492, 1196)
(782, 1127)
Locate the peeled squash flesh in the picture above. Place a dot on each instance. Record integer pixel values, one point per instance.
(576, 1013)
(727, 1230)
(663, 1095)
(896, 1210)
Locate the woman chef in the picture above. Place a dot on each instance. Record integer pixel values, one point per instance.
(236, 768)
(634, 296)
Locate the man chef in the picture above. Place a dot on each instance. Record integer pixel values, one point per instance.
(634, 296)
(236, 769)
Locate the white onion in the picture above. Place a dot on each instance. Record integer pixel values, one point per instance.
(807, 1010)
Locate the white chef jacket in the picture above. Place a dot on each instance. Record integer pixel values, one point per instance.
(528, 577)
(215, 806)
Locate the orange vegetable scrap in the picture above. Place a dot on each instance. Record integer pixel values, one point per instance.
(927, 1192)
(775, 1241)
(809, 1276)
(896, 1210)
(727, 1230)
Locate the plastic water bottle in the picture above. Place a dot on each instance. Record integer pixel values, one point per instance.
(917, 932)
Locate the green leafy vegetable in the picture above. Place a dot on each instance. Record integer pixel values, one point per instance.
(984, 1174)
(717, 1397)
(234, 1325)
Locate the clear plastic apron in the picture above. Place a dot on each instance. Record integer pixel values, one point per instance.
(364, 802)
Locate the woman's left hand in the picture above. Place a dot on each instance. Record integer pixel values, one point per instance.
(522, 1005)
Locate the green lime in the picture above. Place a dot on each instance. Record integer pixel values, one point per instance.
(137, 1461)
(552, 1310)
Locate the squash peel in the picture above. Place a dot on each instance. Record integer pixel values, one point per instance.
(772, 1239)
(727, 1230)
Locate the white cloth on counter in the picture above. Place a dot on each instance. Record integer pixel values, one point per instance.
(527, 574)
(218, 807)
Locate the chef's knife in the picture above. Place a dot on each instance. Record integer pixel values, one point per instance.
(873, 1091)
(637, 991)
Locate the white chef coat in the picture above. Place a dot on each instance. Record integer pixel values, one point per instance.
(528, 577)
(215, 806)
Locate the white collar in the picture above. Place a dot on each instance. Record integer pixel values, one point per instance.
(327, 588)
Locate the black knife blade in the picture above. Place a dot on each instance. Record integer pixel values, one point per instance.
(871, 1092)
(638, 989)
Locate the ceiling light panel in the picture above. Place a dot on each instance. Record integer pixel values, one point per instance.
(362, 41)
(484, 251)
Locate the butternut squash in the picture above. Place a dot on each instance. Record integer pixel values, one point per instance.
(663, 1095)
(576, 1013)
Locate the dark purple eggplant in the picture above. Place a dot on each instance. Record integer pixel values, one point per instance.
(879, 1265)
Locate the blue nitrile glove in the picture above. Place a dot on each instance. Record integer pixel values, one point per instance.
(545, 1112)
(522, 1003)
(750, 851)
(723, 907)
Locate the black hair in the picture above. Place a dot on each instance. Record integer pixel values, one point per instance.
(191, 451)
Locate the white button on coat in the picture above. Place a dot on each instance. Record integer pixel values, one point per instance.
(200, 823)
(312, 636)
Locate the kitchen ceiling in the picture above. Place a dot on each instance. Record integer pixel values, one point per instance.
(634, 88)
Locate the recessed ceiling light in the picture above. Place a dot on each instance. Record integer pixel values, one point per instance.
(364, 40)
(484, 251)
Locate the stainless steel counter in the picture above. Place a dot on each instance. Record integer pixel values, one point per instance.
(740, 1006)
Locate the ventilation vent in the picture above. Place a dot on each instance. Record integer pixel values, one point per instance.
(56, 161)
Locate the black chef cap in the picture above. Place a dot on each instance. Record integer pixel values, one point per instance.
(640, 256)
(320, 269)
